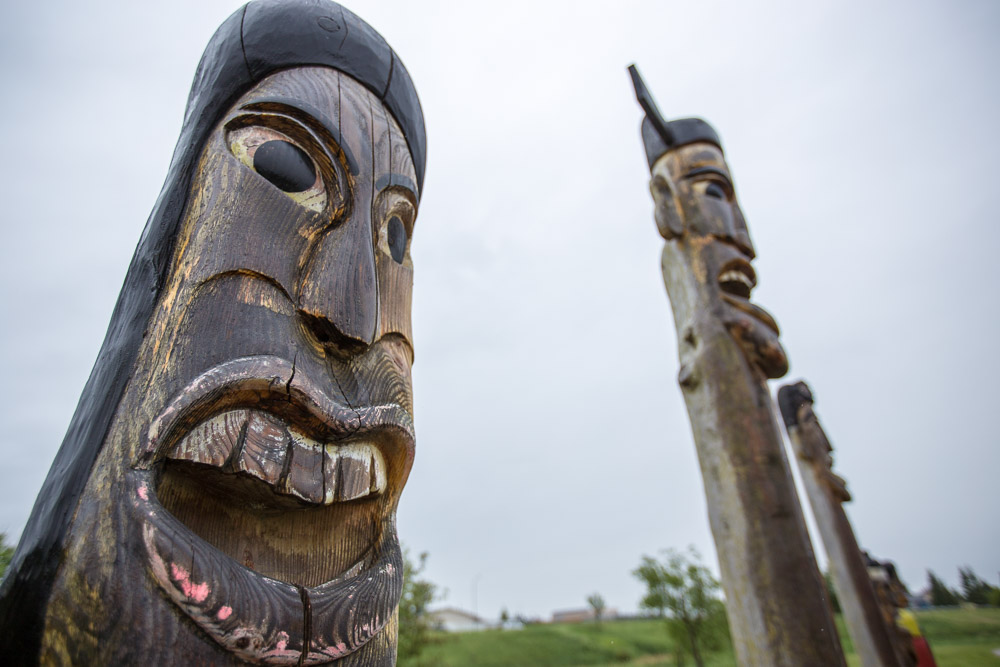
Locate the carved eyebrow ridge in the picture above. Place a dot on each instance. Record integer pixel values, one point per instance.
(309, 115)
(698, 171)
(392, 178)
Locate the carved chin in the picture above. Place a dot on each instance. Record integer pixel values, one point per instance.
(755, 331)
(271, 522)
(751, 325)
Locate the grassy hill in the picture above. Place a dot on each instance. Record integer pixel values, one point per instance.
(963, 637)
(959, 638)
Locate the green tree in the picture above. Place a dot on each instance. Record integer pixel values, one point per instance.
(682, 589)
(974, 589)
(6, 554)
(941, 595)
(414, 624)
(596, 602)
(994, 597)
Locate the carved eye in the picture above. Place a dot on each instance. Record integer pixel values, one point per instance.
(397, 239)
(281, 161)
(395, 212)
(284, 164)
(715, 190)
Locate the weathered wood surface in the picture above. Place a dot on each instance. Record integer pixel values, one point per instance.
(893, 598)
(263, 492)
(241, 506)
(827, 491)
(729, 347)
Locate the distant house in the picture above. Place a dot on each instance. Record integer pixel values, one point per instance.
(450, 619)
(580, 615)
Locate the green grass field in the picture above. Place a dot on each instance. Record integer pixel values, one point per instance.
(959, 638)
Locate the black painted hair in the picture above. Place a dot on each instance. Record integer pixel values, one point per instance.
(682, 131)
(260, 38)
(791, 397)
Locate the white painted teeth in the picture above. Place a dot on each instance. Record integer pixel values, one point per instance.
(736, 277)
(257, 444)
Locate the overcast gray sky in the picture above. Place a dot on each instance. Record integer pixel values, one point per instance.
(554, 449)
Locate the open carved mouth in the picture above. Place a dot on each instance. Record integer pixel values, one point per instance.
(737, 280)
(267, 512)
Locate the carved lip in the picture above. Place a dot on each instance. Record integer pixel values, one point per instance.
(270, 383)
(737, 280)
(256, 617)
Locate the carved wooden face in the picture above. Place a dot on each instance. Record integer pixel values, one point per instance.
(267, 430)
(696, 205)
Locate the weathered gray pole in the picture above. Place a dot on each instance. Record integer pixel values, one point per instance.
(778, 611)
(827, 491)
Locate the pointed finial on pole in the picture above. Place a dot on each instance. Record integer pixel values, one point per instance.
(648, 105)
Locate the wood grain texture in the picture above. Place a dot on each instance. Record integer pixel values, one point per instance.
(216, 279)
(243, 507)
(728, 348)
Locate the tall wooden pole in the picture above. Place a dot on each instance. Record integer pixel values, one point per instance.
(729, 347)
(827, 491)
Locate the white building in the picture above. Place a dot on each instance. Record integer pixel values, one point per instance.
(450, 619)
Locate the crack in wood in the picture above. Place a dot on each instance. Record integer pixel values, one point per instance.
(237, 452)
(306, 624)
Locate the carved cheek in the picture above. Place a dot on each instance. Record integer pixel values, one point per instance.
(701, 214)
(242, 223)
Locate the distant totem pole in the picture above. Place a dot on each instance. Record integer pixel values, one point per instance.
(226, 492)
(875, 639)
(728, 348)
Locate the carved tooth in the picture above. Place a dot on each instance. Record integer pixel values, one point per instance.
(264, 448)
(212, 441)
(354, 471)
(737, 276)
(378, 471)
(304, 469)
(330, 474)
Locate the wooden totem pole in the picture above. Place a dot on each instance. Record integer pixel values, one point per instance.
(226, 492)
(729, 347)
(873, 639)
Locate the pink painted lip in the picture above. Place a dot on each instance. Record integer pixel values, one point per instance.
(258, 618)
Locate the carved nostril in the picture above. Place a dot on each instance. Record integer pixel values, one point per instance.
(329, 336)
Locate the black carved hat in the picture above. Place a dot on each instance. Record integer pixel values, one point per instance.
(660, 135)
(270, 35)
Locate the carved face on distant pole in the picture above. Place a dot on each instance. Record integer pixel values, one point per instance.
(696, 207)
(267, 432)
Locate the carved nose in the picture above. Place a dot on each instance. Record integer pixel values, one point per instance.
(338, 292)
(740, 234)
